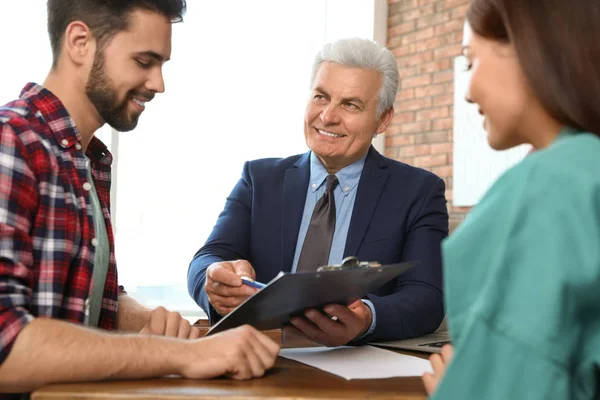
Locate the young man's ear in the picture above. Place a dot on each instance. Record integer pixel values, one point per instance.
(78, 43)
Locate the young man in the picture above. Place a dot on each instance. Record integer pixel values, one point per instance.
(58, 277)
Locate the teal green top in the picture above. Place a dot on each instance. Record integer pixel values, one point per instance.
(101, 256)
(522, 281)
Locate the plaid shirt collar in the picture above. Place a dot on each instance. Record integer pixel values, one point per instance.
(56, 116)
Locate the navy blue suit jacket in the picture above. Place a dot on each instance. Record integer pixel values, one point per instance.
(399, 215)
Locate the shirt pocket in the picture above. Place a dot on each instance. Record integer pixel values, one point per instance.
(69, 206)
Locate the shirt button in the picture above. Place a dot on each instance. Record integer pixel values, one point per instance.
(64, 142)
(78, 146)
(94, 242)
(346, 189)
(314, 185)
(87, 186)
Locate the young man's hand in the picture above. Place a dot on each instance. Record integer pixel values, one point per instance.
(169, 323)
(240, 353)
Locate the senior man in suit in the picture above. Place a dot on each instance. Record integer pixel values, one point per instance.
(340, 199)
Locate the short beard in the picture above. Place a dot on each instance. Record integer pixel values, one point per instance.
(104, 97)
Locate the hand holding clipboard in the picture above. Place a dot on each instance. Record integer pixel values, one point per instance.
(288, 295)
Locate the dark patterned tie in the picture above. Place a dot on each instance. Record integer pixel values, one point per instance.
(317, 243)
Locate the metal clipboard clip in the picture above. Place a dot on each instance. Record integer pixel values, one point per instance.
(349, 263)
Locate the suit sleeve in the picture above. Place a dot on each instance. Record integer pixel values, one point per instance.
(416, 306)
(229, 240)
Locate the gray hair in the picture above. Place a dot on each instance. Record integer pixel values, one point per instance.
(364, 54)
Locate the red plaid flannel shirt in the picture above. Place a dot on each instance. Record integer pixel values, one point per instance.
(46, 226)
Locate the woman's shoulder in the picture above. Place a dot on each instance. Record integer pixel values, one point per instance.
(573, 153)
(571, 165)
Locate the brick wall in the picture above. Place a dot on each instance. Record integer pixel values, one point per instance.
(425, 36)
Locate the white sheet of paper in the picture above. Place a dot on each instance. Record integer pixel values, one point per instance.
(366, 362)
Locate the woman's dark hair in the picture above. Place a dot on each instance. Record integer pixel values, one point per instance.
(104, 17)
(557, 45)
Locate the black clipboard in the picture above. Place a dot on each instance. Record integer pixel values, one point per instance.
(290, 294)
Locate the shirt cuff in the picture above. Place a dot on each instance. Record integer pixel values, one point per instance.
(13, 321)
(369, 303)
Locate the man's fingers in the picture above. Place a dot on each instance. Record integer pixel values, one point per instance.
(241, 371)
(195, 333)
(342, 314)
(223, 310)
(158, 321)
(254, 361)
(218, 265)
(184, 329)
(230, 291)
(222, 274)
(224, 287)
(243, 268)
(263, 352)
(227, 310)
(291, 333)
(356, 304)
(228, 302)
(325, 323)
(308, 329)
(271, 349)
(172, 324)
(264, 356)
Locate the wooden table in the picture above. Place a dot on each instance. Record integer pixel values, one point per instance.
(286, 380)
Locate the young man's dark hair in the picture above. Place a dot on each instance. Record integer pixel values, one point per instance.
(104, 17)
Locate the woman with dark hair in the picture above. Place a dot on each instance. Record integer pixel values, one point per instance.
(522, 273)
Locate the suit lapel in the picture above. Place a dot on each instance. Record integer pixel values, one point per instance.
(371, 185)
(295, 185)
